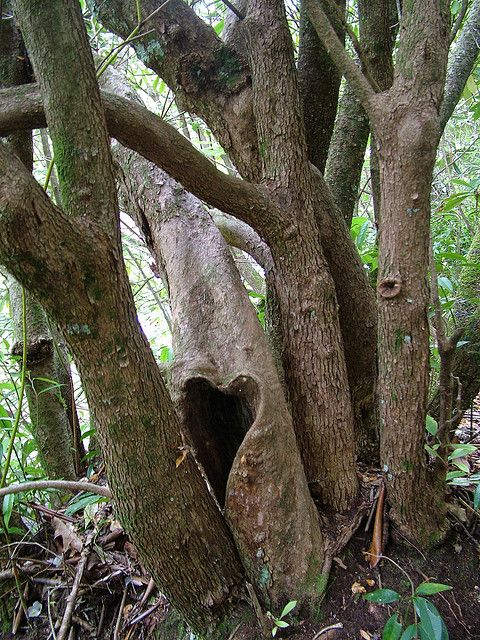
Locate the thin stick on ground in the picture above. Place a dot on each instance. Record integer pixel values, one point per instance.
(72, 598)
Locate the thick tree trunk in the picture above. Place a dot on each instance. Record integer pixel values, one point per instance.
(226, 387)
(403, 299)
(312, 351)
(176, 524)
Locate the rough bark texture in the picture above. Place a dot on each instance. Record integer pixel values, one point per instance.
(243, 147)
(407, 138)
(347, 153)
(167, 511)
(311, 349)
(176, 523)
(319, 82)
(207, 76)
(48, 413)
(226, 386)
(461, 62)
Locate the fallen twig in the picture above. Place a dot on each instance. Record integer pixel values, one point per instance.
(71, 599)
(330, 627)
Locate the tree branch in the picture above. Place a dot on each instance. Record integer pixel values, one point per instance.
(337, 51)
(238, 234)
(208, 77)
(59, 485)
(144, 132)
(461, 62)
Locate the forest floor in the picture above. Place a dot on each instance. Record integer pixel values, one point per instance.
(83, 547)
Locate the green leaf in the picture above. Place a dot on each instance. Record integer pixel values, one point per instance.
(410, 632)
(451, 475)
(462, 450)
(431, 624)
(461, 464)
(288, 607)
(382, 596)
(392, 629)
(282, 624)
(476, 497)
(8, 502)
(445, 283)
(83, 502)
(431, 451)
(431, 425)
(429, 588)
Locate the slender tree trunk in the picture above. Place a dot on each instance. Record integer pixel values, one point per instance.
(403, 299)
(48, 414)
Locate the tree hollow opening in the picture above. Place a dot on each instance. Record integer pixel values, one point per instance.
(217, 422)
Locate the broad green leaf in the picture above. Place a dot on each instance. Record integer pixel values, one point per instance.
(463, 465)
(382, 596)
(288, 607)
(282, 624)
(445, 283)
(429, 588)
(8, 502)
(431, 624)
(453, 474)
(82, 503)
(431, 425)
(462, 450)
(392, 629)
(410, 632)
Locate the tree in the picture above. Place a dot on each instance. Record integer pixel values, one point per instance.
(268, 438)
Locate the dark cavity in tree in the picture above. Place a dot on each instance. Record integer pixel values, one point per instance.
(217, 422)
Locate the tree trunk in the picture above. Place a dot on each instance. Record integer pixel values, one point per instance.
(48, 414)
(407, 142)
(227, 390)
(176, 524)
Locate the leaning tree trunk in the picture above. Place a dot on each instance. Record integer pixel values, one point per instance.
(312, 351)
(176, 524)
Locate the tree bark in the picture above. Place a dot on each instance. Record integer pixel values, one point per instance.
(312, 352)
(226, 387)
(407, 138)
(318, 82)
(176, 524)
(48, 414)
(209, 78)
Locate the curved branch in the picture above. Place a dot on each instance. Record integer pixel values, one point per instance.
(461, 63)
(59, 485)
(144, 132)
(239, 235)
(208, 77)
